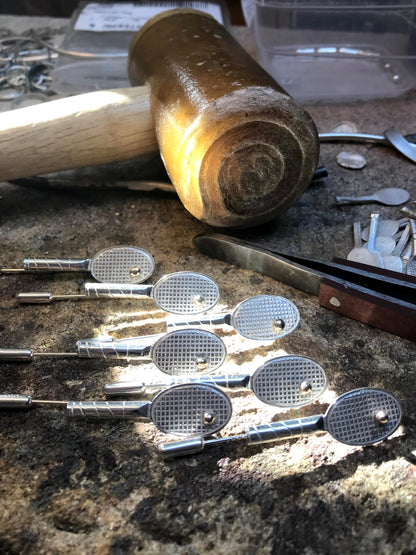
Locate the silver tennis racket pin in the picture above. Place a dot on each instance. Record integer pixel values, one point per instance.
(360, 417)
(178, 293)
(180, 352)
(264, 317)
(184, 410)
(288, 382)
(118, 264)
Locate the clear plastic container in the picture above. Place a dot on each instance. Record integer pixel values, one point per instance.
(101, 32)
(335, 50)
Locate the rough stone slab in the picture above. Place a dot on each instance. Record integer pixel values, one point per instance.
(99, 487)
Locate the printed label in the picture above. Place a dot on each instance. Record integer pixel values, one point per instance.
(130, 17)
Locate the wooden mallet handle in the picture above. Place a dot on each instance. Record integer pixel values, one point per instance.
(238, 149)
(87, 129)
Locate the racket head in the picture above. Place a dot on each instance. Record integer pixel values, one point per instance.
(354, 418)
(188, 352)
(260, 317)
(191, 409)
(290, 381)
(185, 293)
(122, 264)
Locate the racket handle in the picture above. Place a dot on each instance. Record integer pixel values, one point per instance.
(116, 290)
(285, 429)
(55, 264)
(105, 409)
(205, 319)
(112, 350)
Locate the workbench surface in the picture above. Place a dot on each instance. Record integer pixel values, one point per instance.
(100, 487)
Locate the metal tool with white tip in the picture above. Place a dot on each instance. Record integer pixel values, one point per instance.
(184, 409)
(120, 264)
(359, 417)
(178, 293)
(264, 317)
(288, 382)
(186, 351)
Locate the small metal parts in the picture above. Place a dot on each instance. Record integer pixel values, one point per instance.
(118, 264)
(264, 318)
(180, 352)
(351, 160)
(390, 137)
(388, 244)
(345, 127)
(177, 293)
(25, 67)
(183, 410)
(391, 196)
(366, 254)
(360, 417)
(408, 212)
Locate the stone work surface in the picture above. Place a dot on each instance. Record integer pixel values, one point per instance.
(100, 487)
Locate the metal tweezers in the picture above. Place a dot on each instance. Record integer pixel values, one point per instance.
(374, 296)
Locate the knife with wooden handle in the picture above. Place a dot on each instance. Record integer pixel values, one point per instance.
(383, 300)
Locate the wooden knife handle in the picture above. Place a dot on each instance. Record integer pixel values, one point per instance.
(381, 311)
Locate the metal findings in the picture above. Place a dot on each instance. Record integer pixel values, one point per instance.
(391, 196)
(25, 66)
(119, 264)
(173, 293)
(389, 244)
(351, 160)
(180, 352)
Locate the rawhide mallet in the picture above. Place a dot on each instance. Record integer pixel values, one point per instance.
(238, 149)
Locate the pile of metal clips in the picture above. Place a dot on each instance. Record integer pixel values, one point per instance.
(26, 64)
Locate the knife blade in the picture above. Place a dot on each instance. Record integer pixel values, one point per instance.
(384, 302)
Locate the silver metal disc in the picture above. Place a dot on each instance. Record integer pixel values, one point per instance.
(122, 264)
(351, 160)
(289, 381)
(357, 417)
(265, 317)
(191, 409)
(188, 351)
(186, 293)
